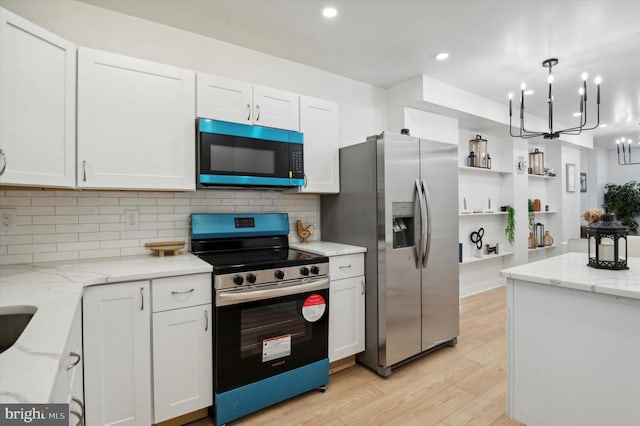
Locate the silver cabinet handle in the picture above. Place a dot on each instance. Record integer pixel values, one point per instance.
(257, 112)
(4, 162)
(78, 415)
(248, 112)
(142, 298)
(362, 285)
(206, 320)
(84, 170)
(77, 356)
(83, 413)
(183, 292)
(305, 180)
(344, 266)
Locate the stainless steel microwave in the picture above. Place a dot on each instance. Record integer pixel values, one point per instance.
(231, 154)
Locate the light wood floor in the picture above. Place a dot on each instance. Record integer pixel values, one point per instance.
(462, 385)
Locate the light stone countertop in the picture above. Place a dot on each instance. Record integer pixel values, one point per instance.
(28, 369)
(326, 248)
(570, 270)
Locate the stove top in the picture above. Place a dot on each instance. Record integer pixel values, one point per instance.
(251, 260)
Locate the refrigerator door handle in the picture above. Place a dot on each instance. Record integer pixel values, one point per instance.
(426, 224)
(422, 215)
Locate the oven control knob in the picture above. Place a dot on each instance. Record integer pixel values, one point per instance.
(304, 271)
(238, 279)
(251, 278)
(315, 270)
(279, 274)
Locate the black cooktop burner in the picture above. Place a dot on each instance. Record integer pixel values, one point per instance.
(248, 260)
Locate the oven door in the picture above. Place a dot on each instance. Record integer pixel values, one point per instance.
(237, 154)
(258, 339)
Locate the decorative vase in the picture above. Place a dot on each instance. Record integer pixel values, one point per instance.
(536, 205)
(548, 239)
(532, 241)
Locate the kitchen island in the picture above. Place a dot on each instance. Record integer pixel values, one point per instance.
(573, 339)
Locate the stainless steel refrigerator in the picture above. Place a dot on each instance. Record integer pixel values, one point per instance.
(399, 199)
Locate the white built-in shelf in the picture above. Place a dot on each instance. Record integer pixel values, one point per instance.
(485, 257)
(483, 170)
(543, 212)
(482, 214)
(541, 177)
(542, 248)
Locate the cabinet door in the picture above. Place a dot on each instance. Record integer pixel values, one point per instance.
(346, 317)
(182, 361)
(117, 354)
(135, 123)
(319, 124)
(275, 108)
(37, 105)
(224, 99)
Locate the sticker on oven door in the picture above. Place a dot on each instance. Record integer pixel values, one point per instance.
(276, 347)
(313, 307)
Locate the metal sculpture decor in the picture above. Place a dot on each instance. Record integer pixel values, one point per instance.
(625, 161)
(552, 133)
(476, 238)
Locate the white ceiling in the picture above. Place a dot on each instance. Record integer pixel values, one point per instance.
(494, 45)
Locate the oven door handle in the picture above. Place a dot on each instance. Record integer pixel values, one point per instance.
(235, 297)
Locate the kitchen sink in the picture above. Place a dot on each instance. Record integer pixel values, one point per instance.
(13, 321)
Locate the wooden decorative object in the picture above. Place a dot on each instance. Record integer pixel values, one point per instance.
(161, 247)
(304, 232)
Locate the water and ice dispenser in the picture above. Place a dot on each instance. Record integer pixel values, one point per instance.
(403, 225)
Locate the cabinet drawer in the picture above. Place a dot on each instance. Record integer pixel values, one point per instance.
(350, 265)
(181, 291)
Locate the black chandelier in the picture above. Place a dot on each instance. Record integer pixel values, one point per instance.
(553, 134)
(625, 161)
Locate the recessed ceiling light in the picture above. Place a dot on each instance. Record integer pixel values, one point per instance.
(603, 125)
(529, 92)
(329, 12)
(442, 56)
(577, 114)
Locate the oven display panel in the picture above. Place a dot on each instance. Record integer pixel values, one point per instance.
(244, 222)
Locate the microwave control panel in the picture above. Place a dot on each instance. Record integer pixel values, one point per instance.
(297, 161)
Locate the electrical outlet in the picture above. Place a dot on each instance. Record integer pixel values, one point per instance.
(131, 220)
(7, 219)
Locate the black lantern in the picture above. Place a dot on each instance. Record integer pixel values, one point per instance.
(607, 233)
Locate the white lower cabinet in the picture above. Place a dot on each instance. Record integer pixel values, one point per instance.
(182, 345)
(67, 388)
(346, 306)
(117, 354)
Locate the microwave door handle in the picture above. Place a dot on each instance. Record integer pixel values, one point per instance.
(418, 246)
(426, 225)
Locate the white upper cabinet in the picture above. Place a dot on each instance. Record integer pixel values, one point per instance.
(319, 124)
(245, 103)
(37, 105)
(136, 123)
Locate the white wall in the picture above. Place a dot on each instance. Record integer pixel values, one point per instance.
(362, 107)
(571, 207)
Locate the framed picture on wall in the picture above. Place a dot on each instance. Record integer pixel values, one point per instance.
(571, 177)
(583, 182)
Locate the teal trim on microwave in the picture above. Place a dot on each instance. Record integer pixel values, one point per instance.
(206, 125)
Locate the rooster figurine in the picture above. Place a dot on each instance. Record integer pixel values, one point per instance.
(304, 233)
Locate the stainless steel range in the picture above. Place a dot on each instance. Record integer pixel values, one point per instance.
(271, 311)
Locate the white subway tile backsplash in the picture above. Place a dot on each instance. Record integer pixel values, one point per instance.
(70, 225)
(77, 210)
(30, 248)
(52, 257)
(55, 238)
(79, 246)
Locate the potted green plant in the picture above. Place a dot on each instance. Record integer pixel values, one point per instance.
(624, 201)
(532, 216)
(511, 224)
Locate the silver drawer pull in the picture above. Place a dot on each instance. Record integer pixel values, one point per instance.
(344, 266)
(142, 298)
(206, 320)
(77, 356)
(183, 292)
